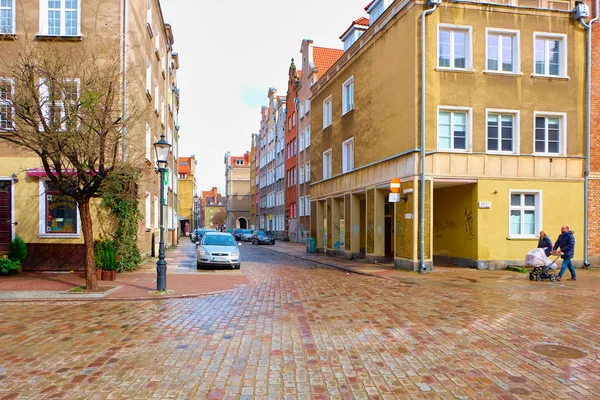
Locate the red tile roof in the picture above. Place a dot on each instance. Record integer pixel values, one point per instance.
(362, 21)
(369, 5)
(324, 58)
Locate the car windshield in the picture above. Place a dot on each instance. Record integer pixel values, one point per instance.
(248, 231)
(260, 233)
(219, 240)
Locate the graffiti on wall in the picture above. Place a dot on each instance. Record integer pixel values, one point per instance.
(449, 224)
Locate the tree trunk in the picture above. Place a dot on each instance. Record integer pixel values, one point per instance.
(91, 283)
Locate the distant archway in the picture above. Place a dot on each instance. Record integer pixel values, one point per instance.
(242, 223)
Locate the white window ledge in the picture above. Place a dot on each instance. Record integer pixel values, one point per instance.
(551, 155)
(489, 72)
(75, 38)
(8, 36)
(523, 237)
(560, 78)
(459, 151)
(461, 70)
(60, 236)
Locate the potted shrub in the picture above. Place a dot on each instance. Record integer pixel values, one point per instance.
(98, 258)
(17, 251)
(109, 263)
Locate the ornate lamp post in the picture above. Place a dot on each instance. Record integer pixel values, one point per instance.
(162, 148)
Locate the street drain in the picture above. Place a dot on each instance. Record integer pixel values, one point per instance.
(557, 351)
(520, 391)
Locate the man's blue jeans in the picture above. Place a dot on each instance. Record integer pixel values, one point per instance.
(567, 264)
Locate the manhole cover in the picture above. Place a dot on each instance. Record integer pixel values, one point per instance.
(520, 391)
(557, 351)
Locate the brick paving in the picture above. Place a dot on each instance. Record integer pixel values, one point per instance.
(300, 330)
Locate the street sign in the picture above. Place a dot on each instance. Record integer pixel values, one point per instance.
(395, 185)
(394, 197)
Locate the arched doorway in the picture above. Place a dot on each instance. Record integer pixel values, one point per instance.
(242, 223)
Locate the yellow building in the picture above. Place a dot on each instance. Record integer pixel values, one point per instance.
(187, 192)
(145, 47)
(504, 127)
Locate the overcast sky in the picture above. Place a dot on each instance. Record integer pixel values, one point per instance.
(230, 53)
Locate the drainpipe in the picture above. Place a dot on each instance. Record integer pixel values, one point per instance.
(588, 95)
(125, 45)
(422, 191)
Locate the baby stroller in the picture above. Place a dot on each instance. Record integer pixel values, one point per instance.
(541, 264)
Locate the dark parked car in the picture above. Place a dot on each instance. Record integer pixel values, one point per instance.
(198, 234)
(262, 237)
(237, 234)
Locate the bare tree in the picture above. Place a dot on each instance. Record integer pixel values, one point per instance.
(67, 109)
(219, 218)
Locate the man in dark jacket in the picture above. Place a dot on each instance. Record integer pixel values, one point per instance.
(566, 242)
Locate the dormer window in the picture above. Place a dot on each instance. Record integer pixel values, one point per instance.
(375, 10)
(355, 31)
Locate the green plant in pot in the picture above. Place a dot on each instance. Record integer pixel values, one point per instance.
(99, 249)
(109, 262)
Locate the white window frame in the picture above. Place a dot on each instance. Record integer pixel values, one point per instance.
(307, 106)
(301, 109)
(301, 207)
(307, 172)
(148, 211)
(562, 145)
(469, 128)
(43, 19)
(149, 16)
(148, 142)
(347, 159)
(327, 112)
(327, 168)
(156, 94)
(301, 178)
(307, 137)
(9, 104)
(46, 102)
(348, 86)
(516, 34)
(538, 212)
(301, 141)
(42, 217)
(13, 29)
(468, 50)
(148, 77)
(563, 56)
(156, 211)
(516, 130)
(307, 206)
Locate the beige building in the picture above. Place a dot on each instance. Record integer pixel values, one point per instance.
(503, 125)
(149, 66)
(214, 206)
(237, 191)
(187, 193)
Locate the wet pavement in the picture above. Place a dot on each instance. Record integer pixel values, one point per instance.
(301, 330)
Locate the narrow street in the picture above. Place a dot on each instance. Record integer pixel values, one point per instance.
(300, 330)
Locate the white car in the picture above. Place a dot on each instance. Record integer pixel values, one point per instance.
(218, 248)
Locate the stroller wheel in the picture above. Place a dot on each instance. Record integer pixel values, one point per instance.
(538, 278)
(531, 276)
(552, 278)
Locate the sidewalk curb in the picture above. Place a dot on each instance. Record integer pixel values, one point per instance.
(334, 266)
(122, 299)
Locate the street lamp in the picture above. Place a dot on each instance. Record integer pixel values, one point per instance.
(162, 148)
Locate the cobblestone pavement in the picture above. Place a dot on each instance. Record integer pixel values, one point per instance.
(301, 331)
